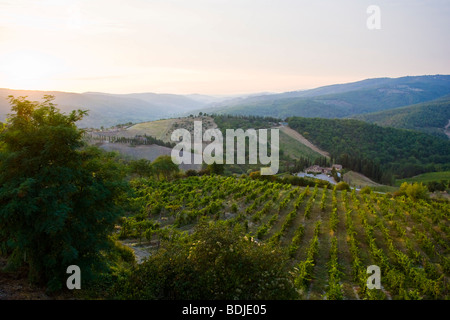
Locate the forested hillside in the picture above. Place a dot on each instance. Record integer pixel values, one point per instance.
(344, 100)
(376, 151)
(430, 117)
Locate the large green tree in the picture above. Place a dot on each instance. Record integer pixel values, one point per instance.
(58, 200)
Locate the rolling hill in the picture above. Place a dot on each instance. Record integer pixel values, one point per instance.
(431, 117)
(294, 151)
(330, 236)
(344, 100)
(334, 101)
(111, 109)
(374, 150)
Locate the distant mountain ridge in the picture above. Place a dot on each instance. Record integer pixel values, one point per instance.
(342, 100)
(333, 101)
(110, 109)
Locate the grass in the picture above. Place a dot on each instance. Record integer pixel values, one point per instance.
(426, 177)
(157, 129)
(162, 129)
(383, 188)
(295, 149)
(358, 180)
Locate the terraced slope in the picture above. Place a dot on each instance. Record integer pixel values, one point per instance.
(332, 236)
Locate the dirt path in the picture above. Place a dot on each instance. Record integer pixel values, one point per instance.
(140, 252)
(446, 129)
(297, 136)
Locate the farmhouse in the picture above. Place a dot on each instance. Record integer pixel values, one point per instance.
(314, 169)
(319, 169)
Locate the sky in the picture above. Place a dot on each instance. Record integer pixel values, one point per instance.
(217, 47)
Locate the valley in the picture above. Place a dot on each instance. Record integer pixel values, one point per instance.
(386, 205)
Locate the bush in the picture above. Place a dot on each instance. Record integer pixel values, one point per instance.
(216, 262)
(415, 191)
(342, 186)
(366, 190)
(191, 173)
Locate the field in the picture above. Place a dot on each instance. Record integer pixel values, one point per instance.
(426, 177)
(162, 129)
(358, 180)
(331, 236)
(294, 149)
(157, 129)
(297, 136)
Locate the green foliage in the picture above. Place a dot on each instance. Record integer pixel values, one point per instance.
(164, 168)
(341, 101)
(415, 190)
(303, 181)
(438, 185)
(334, 290)
(342, 186)
(429, 117)
(435, 181)
(243, 122)
(366, 190)
(407, 238)
(215, 262)
(216, 168)
(135, 227)
(376, 151)
(141, 167)
(58, 203)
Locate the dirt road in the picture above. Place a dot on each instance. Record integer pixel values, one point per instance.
(297, 136)
(447, 129)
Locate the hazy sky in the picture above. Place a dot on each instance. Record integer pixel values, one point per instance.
(216, 46)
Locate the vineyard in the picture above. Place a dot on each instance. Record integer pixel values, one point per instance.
(331, 236)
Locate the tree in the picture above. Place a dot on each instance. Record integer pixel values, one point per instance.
(164, 167)
(141, 167)
(58, 202)
(216, 168)
(335, 175)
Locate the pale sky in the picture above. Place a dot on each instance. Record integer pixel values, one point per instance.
(216, 46)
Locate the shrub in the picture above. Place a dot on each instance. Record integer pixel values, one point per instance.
(342, 186)
(191, 173)
(366, 190)
(216, 262)
(415, 191)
